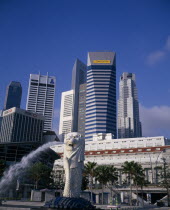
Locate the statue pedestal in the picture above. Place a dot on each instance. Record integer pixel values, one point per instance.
(69, 203)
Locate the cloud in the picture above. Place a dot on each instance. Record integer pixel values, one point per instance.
(167, 45)
(155, 120)
(155, 57)
(158, 55)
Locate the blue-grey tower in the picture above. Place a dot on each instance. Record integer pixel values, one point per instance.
(78, 77)
(101, 94)
(13, 95)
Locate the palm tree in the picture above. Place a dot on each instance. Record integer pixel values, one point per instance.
(105, 174)
(90, 170)
(165, 179)
(141, 182)
(139, 179)
(112, 180)
(134, 171)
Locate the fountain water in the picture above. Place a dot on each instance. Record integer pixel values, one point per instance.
(15, 170)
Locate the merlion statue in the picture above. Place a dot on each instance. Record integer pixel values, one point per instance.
(73, 164)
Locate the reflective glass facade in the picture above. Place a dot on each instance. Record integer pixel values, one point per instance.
(82, 109)
(13, 95)
(78, 78)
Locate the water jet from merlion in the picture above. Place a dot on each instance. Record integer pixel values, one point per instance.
(15, 170)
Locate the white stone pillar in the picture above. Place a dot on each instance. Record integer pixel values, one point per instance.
(122, 197)
(97, 199)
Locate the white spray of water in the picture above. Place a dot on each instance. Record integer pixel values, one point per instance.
(16, 169)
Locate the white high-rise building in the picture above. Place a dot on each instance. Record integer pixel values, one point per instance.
(129, 125)
(66, 113)
(40, 98)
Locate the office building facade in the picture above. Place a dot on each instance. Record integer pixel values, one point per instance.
(1, 112)
(40, 97)
(82, 110)
(19, 125)
(129, 125)
(13, 95)
(78, 77)
(66, 113)
(69, 112)
(101, 94)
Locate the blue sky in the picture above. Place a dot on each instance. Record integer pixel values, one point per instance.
(48, 35)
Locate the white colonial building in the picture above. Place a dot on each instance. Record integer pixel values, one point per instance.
(104, 150)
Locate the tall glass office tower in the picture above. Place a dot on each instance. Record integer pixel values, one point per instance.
(78, 77)
(69, 112)
(101, 94)
(40, 98)
(13, 95)
(82, 110)
(129, 125)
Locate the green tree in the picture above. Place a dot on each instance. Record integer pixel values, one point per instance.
(141, 183)
(40, 173)
(135, 172)
(85, 182)
(139, 180)
(105, 174)
(165, 179)
(90, 171)
(112, 181)
(2, 167)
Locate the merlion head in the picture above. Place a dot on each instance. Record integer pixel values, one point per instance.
(72, 141)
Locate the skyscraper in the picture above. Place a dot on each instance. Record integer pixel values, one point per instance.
(66, 113)
(101, 94)
(82, 109)
(13, 95)
(40, 98)
(78, 77)
(70, 101)
(129, 125)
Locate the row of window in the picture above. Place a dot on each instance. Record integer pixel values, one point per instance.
(122, 151)
(103, 67)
